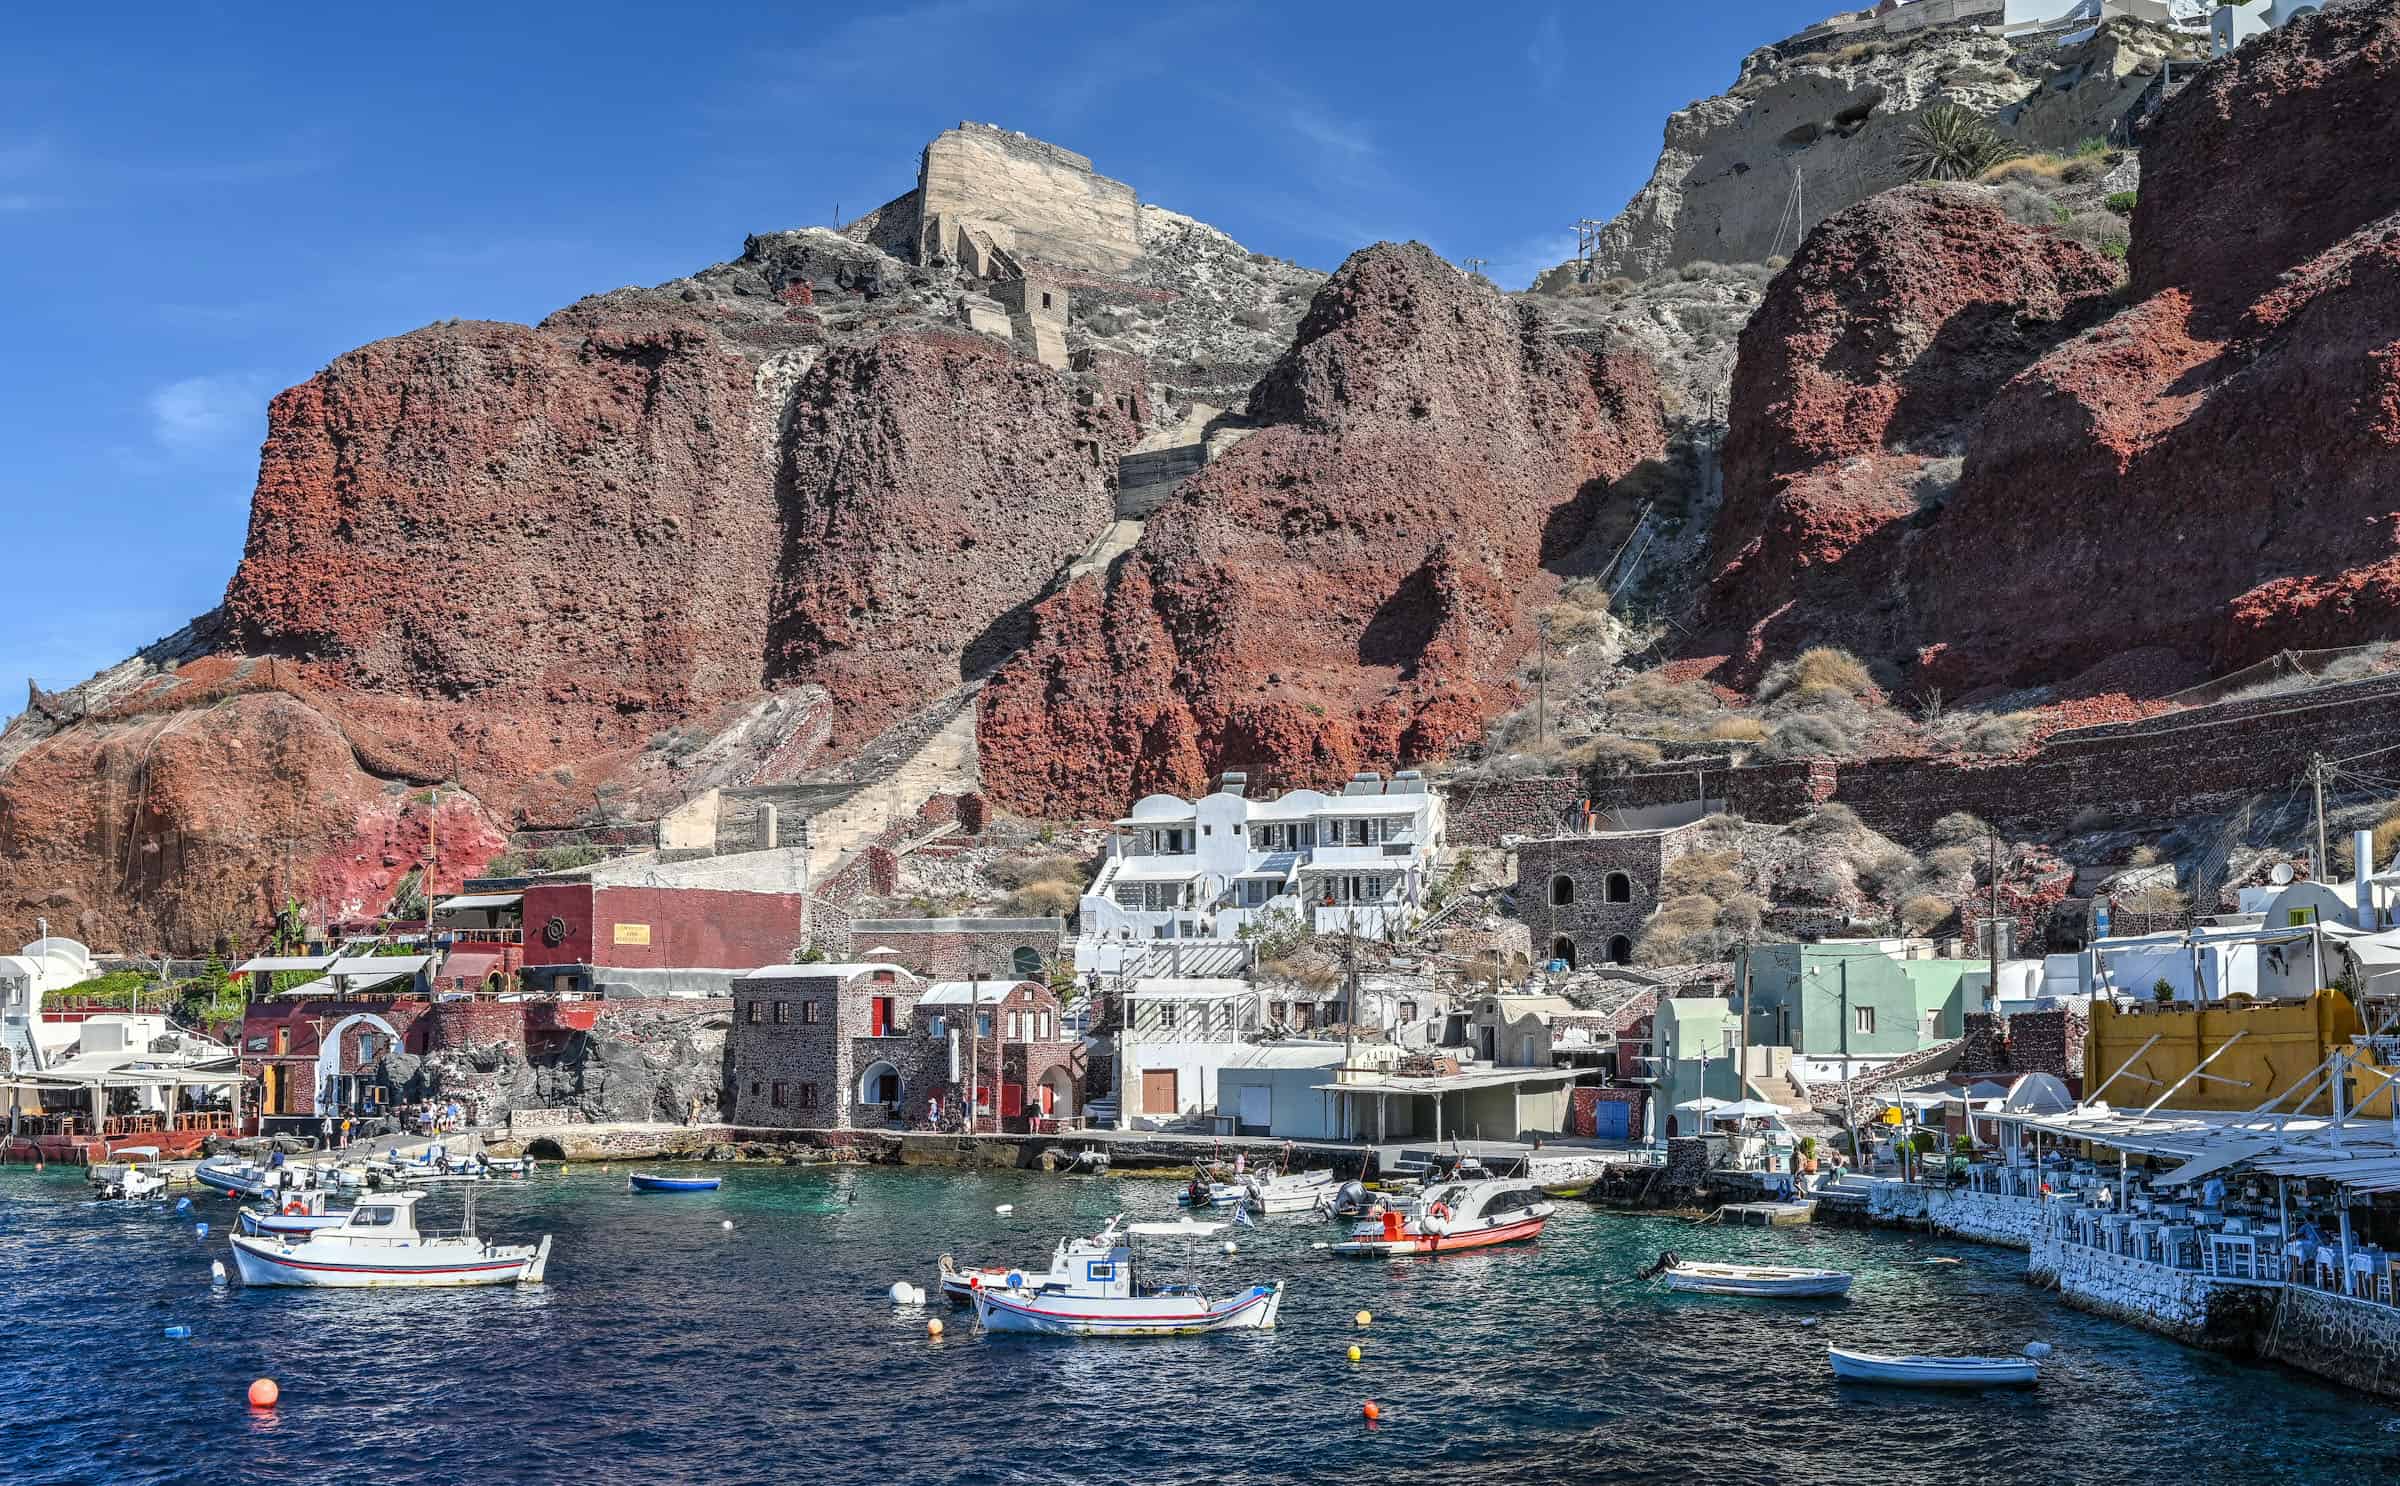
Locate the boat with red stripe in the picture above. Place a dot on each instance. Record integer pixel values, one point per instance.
(1097, 1287)
(378, 1244)
(1453, 1218)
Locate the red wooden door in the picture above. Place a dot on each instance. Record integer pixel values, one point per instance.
(879, 1015)
(1012, 1101)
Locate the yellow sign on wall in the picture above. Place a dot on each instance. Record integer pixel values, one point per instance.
(633, 933)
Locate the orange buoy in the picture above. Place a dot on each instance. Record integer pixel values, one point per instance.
(264, 1393)
(1368, 1408)
(933, 1329)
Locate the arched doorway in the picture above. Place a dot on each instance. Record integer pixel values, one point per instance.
(1562, 890)
(1027, 961)
(329, 1055)
(545, 1150)
(880, 1084)
(1562, 948)
(1055, 1094)
(1620, 888)
(1620, 950)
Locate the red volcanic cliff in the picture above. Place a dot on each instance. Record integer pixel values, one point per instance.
(1868, 359)
(515, 559)
(934, 482)
(1348, 586)
(2206, 475)
(2213, 471)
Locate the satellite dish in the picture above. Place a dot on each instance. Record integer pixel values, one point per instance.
(2282, 875)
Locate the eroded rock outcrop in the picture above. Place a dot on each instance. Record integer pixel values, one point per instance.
(1815, 126)
(935, 484)
(2203, 475)
(1858, 380)
(2210, 472)
(1349, 585)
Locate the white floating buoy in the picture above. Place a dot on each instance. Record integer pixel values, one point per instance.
(727, 1225)
(2037, 1349)
(1229, 1248)
(1005, 1208)
(216, 1271)
(1320, 1244)
(904, 1293)
(1810, 1320)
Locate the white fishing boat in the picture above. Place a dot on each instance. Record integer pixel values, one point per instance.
(1202, 1192)
(378, 1244)
(1295, 1192)
(1451, 1218)
(958, 1284)
(297, 1215)
(134, 1176)
(1759, 1280)
(1934, 1372)
(1097, 1287)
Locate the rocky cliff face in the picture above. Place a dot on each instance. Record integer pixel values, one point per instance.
(1348, 587)
(1858, 379)
(1805, 134)
(1955, 452)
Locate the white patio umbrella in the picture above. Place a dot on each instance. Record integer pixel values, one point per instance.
(1751, 1109)
(1705, 1104)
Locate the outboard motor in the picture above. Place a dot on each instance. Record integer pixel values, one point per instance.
(1666, 1260)
(1352, 1198)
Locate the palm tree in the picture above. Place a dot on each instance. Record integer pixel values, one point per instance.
(1949, 142)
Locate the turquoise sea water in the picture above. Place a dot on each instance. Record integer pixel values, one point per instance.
(667, 1349)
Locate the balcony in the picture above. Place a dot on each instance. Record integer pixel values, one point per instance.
(1374, 854)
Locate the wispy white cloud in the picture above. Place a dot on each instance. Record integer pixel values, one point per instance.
(198, 415)
(882, 48)
(1330, 134)
(1546, 51)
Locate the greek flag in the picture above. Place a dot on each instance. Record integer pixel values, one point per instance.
(1241, 1216)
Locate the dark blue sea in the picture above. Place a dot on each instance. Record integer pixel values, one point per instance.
(667, 1349)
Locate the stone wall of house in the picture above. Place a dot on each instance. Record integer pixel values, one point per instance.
(2350, 1341)
(956, 948)
(1591, 921)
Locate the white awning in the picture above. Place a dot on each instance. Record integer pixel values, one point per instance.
(479, 900)
(270, 964)
(382, 967)
(2213, 1160)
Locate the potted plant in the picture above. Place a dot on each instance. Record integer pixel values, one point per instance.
(2163, 992)
(1808, 1154)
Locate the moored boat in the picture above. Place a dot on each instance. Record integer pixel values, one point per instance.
(1294, 1192)
(1096, 1287)
(644, 1181)
(300, 1214)
(378, 1244)
(134, 1175)
(1454, 1217)
(1934, 1372)
(232, 1175)
(1759, 1280)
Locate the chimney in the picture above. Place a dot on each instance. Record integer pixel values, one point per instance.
(2362, 868)
(767, 828)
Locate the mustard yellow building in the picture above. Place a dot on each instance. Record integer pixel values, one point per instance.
(2251, 1054)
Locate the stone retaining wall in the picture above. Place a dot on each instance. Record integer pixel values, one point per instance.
(2222, 1314)
(2333, 1336)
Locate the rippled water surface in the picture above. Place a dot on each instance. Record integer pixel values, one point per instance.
(665, 1348)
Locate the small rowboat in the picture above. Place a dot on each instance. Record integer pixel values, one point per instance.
(643, 1181)
(1934, 1372)
(1764, 1280)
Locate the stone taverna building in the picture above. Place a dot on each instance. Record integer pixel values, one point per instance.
(1584, 896)
(871, 1045)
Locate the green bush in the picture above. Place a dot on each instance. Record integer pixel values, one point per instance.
(2121, 202)
(1951, 143)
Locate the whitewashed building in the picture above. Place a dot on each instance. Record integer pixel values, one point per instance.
(1207, 869)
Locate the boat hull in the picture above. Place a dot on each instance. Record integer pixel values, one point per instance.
(1038, 1313)
(1410, 1244)
(228, 1180)
(1934, 1372)
(1792, 1285)
(642, 1183)
(427, 1265)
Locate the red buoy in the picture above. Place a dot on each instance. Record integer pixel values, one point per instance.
(264, 1393)
(1368, 1408)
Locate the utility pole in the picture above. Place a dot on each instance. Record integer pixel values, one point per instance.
(2316, 783)
(1475, 265)
(974, 1043)
(1991, 991)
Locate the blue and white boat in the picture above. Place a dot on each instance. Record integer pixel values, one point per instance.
(1094, 1288)
(301, 1214)
(232, 1175)
(1934, 1372)
(643, 1181)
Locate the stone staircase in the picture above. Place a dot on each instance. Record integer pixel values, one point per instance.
(1805, 1119)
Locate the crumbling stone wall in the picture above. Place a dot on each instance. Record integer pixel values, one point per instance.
(2336, 1337)
(1590, 920)
(1028, 198)
(955, 948)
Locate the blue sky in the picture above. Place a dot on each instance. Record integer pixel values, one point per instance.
(201, 204)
